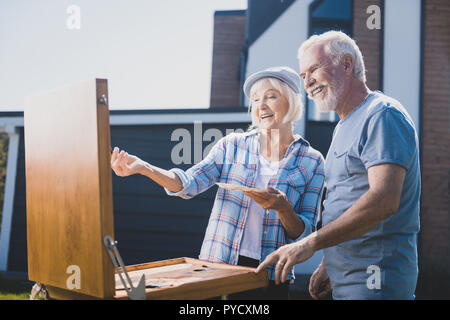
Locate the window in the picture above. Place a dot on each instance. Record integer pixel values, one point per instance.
(328, 15)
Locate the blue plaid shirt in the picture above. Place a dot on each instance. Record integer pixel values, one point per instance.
(234, 159)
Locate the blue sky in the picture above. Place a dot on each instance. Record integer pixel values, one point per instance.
(155, 54)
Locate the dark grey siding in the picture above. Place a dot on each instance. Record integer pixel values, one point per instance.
(149, 225)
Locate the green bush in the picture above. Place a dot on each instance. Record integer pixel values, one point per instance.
(3, 158)
(14, 289)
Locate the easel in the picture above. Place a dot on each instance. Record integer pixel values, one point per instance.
(70, 221)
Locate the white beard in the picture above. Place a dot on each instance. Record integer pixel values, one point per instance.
(330, 102)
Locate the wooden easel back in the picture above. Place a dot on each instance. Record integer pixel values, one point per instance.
(69, 189)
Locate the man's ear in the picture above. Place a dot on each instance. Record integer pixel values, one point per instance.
(348, 63)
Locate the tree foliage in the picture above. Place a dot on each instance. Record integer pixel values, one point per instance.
(3, 159)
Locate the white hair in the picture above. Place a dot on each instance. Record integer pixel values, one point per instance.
(337, 44)
(294, 100)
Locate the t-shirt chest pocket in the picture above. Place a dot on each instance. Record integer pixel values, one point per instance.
(353, 163)
(344, 163)
(335, 165)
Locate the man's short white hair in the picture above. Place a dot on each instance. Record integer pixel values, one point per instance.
(336, 45)
(294, 100)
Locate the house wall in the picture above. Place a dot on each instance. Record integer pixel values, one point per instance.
(148, 224)
(401, 69)
(229, 37)
(434, 267)
(278, 45)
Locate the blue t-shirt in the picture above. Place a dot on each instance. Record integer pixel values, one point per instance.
(382, 263)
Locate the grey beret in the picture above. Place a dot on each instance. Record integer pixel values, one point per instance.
(285, 74)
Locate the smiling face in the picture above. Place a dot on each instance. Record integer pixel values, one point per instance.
(270, 105)
(322, 79)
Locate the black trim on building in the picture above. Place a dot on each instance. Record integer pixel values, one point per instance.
(230, 12)
(381, 57)
(421, 105)
(243, 71)
(11, 114)
(178, 111)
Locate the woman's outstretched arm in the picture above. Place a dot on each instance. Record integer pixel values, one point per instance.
(125, 165)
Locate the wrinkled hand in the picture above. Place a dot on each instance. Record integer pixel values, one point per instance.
(287, 257)
(125, 164)
(270, 199)
(319, 284)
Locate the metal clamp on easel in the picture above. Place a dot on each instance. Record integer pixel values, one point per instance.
(135, 293)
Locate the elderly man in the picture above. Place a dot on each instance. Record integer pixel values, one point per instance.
(371, 210)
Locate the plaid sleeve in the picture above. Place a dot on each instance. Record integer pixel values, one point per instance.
(203, 175)
(310, 200)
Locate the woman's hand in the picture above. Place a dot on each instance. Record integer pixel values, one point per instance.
(276, 200)
(125, 164)
(319, 284)
(271, 199)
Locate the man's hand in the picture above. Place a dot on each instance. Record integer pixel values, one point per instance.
(287, 257)
(319, 284)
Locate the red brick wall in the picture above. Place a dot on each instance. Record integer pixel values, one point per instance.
(435, 211)
(229, 36)
(368, 41)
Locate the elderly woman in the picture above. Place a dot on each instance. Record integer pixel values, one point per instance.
(245, 227)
